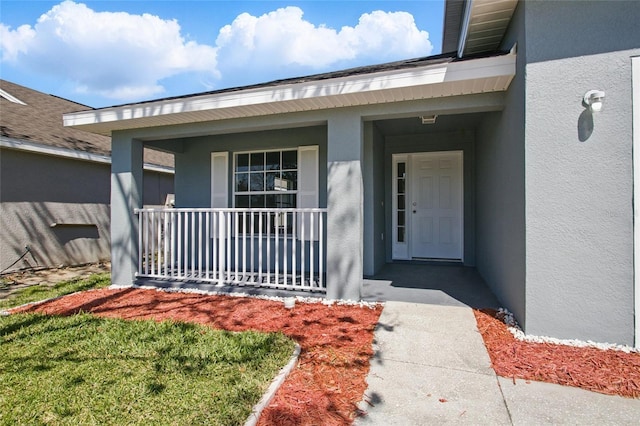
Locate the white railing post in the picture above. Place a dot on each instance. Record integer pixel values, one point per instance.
(165, 234)
(235, 244)
(276, 224)
(320, 249)
(312, 259)
(207, 239)
(260, 248)
(244, 246)
(200, 244)
(140, 239)
(294, 244)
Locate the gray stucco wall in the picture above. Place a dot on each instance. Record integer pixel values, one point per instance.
(374, 212)
(579, 217)
(500, 170)
(463, 139)
(39, 190)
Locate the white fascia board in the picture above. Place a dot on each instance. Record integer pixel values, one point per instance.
(464, 31)
(8, 96)
(361, 84)
(293, 92)
(37, 148)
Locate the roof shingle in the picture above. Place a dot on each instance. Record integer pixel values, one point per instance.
(40, 122)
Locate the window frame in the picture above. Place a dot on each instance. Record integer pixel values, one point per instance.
(265, 192)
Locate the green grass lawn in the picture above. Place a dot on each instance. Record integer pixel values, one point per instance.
(88, 370)
(36, 293)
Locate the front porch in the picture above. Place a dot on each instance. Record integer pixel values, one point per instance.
(429, 283)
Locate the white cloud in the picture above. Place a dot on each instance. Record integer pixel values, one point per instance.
(128, 57)
(283, 38)
(117, 55)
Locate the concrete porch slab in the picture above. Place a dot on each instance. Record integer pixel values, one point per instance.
(436, 284)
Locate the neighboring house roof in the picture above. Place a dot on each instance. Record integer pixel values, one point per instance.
(475, 26)
(414, 79)
(32, 121)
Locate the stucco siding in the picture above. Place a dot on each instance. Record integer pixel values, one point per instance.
(374, 178)
(59, 208)
(579, 199)
(579, 170)
(500, 171)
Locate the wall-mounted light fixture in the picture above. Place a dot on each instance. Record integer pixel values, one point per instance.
(428, 119)
(593, 100)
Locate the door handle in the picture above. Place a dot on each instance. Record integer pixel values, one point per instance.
(414, 212)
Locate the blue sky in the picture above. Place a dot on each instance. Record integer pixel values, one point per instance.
(103, 53)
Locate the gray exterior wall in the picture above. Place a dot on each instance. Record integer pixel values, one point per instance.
(554, 188)
(39, 190)
(579, 192)
(374, 177)
(500, 165)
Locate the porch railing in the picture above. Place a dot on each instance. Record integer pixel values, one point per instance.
(276, 248)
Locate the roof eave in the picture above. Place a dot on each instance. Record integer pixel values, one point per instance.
(481, 25)
(43, 149)
(471, 76)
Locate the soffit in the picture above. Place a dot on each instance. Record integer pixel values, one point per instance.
(487, 22)
(453, 78)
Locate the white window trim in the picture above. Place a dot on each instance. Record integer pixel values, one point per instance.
(400, 251)
(635, 106)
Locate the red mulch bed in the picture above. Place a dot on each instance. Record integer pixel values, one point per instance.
(336, 342)
(606, 371)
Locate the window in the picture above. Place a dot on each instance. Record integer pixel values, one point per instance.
(266, 179)
(401, 177)
(286, 178)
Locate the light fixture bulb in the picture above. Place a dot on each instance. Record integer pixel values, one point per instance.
(593, 100)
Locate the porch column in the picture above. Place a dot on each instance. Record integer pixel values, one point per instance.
(126, 195)
(344, 206)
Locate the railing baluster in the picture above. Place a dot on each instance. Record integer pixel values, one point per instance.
(244, 246)
(192, 244)
(151, 240)
(165, 242)
(207, 239)
(172, 246)
(294, 243)
(268, 248)
(221, 254)
(277, 247)
(159, 220)
(214, 244)
(285, 249)
(260, 237)
(199, 245)
(179, 245)
(303, 241)
(311, 258)
(253, 252)
(235, 243)
(140, 248)
(228, 241)
(320, 249)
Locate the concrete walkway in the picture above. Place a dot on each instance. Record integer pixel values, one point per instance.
(431, 367)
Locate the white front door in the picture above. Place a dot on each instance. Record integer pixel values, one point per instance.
(436, 205)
